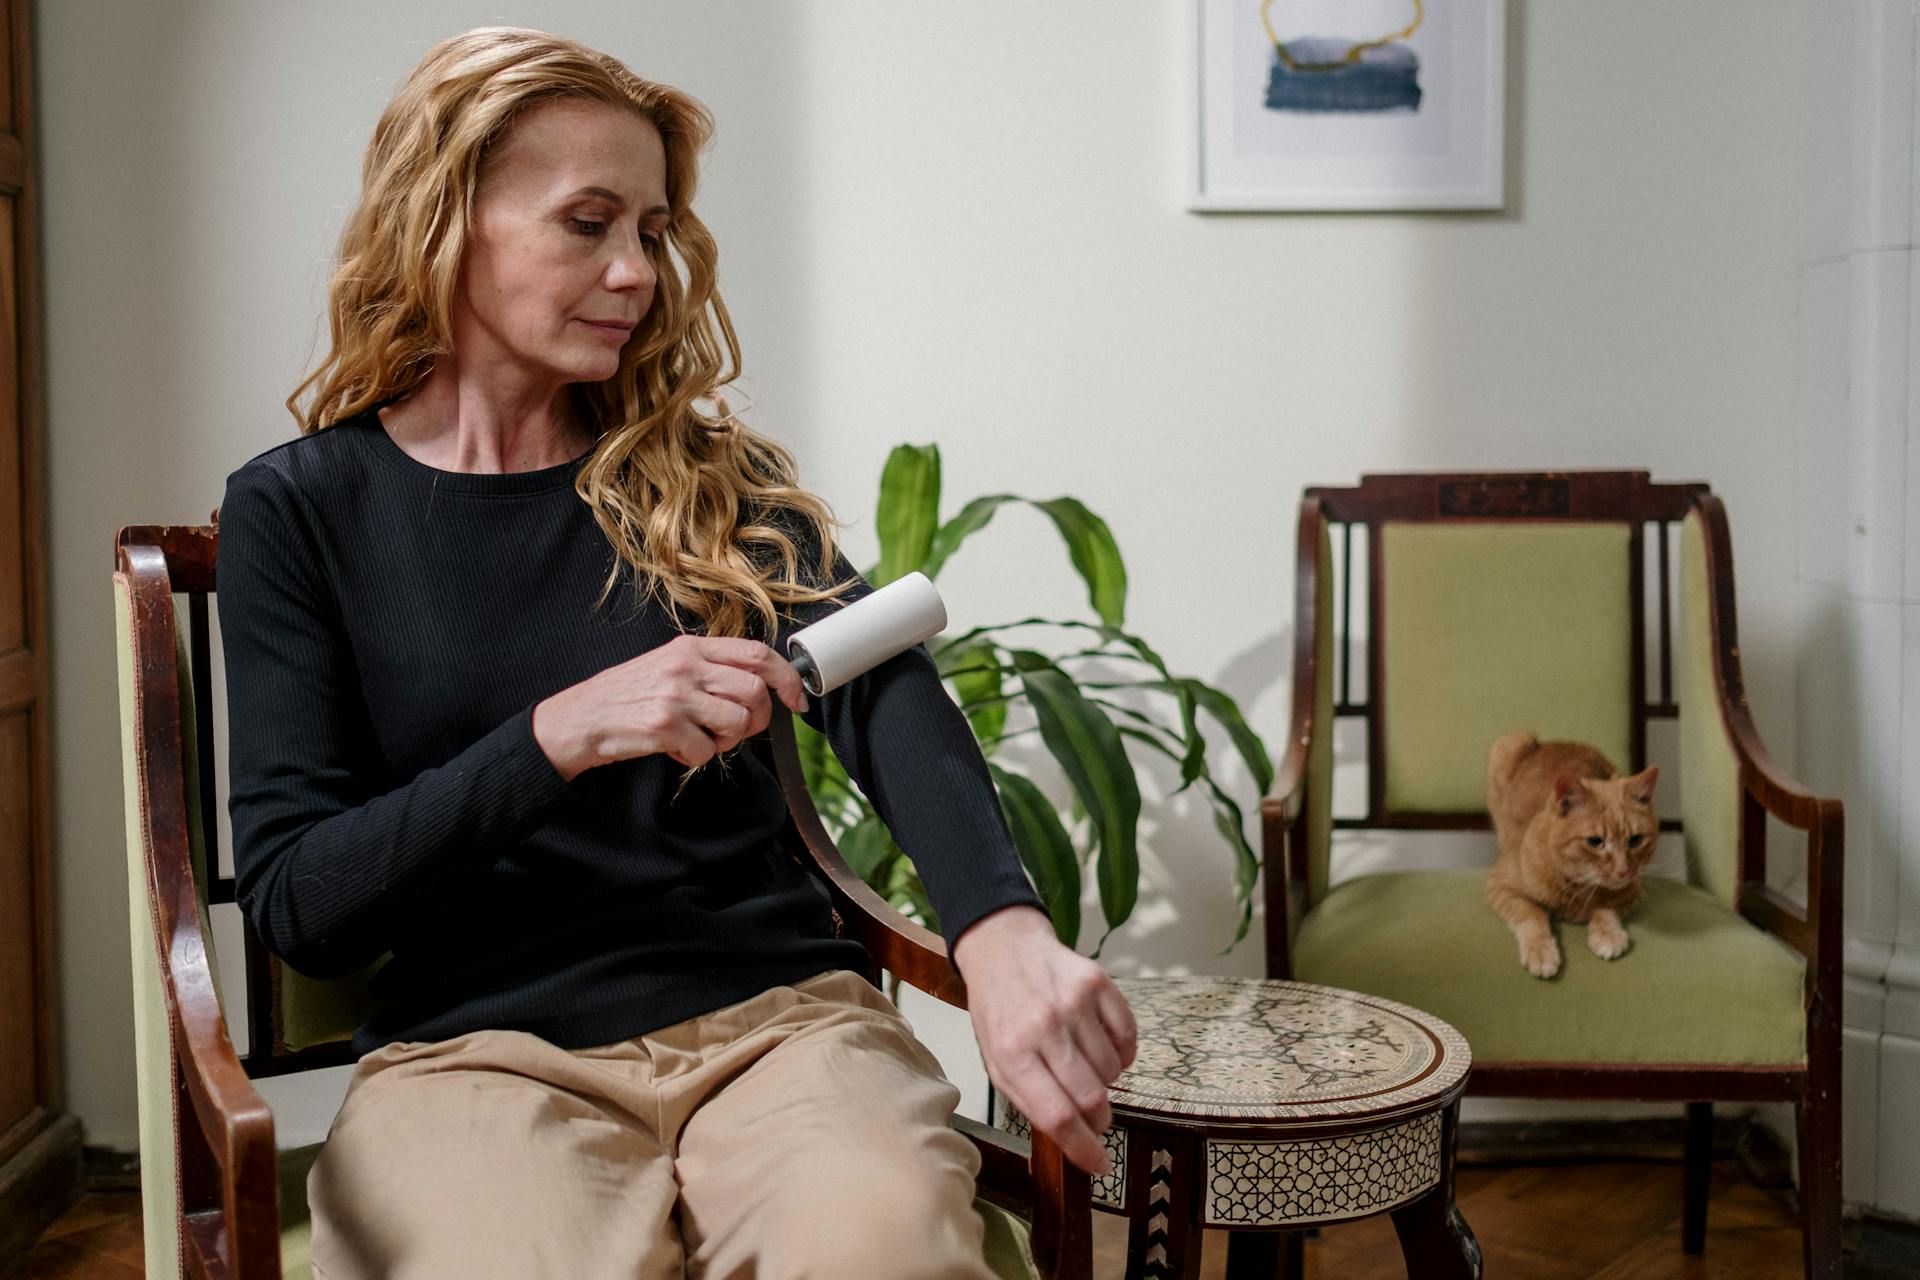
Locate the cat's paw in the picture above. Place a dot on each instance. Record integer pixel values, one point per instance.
(1541, 957)
(1609, 942)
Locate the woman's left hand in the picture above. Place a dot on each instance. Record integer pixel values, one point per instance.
(1053, 1029)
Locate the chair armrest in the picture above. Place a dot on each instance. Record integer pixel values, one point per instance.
(910, 951)
(1777, 791)
(228, 1203)
(1779, 915)
(1288, 796)
(1035, 1180)
(229, 1193)
(1766, 788)
(1006, 1163)
(1283, 853)
(1062, 1213)
(1283, 856)
(1288, 800)
(1280, 814)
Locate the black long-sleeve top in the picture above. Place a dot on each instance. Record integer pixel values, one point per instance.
(388, 628)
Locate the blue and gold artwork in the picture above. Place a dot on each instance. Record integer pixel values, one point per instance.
(1336, 73)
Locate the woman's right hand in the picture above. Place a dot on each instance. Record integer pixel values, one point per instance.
(692, 698)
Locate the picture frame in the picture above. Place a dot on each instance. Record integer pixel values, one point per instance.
(1348, 105)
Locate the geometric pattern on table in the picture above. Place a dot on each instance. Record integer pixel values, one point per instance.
(1271, 1184)
(1159, 1214)
(1270, 1050)
(1109, 1189)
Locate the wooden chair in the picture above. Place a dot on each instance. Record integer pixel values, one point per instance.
(1519, 601)
(219, 1199)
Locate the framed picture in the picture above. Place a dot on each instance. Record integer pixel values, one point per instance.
(1349, 105)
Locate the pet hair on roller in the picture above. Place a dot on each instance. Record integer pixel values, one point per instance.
(860, 637)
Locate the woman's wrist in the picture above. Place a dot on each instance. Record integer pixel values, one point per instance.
(567, 743)
(1004, 927)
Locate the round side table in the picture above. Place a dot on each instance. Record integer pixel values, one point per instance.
(1267, 1107)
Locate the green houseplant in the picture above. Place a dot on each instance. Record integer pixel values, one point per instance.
(1070, 698)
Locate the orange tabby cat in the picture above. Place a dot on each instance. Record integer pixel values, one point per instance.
(1573, 839)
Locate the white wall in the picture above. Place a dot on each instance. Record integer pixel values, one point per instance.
(959, 224)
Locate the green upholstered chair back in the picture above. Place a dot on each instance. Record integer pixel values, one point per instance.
(1453, 609)
(1710, 791)
(1489, 627)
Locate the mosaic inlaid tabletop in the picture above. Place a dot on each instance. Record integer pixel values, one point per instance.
(1255, 1050)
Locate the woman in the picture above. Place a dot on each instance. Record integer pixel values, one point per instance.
(493, 625)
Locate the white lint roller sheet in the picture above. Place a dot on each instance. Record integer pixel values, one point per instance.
(858, 638)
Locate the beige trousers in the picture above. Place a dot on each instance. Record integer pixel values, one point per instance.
(803, 1132)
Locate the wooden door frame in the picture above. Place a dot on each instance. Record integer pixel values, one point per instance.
(39, 1152)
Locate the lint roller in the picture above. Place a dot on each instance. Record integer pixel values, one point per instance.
(858, 638)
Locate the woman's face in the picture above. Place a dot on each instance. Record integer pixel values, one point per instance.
(559, 265)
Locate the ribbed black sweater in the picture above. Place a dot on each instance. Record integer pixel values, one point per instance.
(388, 628)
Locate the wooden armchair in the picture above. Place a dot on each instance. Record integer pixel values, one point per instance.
(1521, 601)
(219, 1199)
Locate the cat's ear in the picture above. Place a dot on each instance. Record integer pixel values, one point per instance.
(1640, 786)
(1568, 793)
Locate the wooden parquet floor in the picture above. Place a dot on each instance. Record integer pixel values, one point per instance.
(99, 1238)
(1555, 1222)
(1534, 1222)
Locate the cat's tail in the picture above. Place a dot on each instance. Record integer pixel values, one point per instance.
(1506, 755)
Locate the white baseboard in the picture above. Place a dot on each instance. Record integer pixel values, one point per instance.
(1897, 1132)
(1859, 1117)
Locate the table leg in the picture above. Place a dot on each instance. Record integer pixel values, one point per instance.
(1163, 1207)
(1266, 1255)
(1434, 1238)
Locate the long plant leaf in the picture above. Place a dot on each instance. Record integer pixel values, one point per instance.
(1196, 745)
(1251, 748)
(1095, 554)
(977, 675)
(869, 849)
(1229, 820)
(1115, 634)
(1045, 849)
(905, 891)
(839, 802)
(1192, 756)
(1089, 750)
(1194, 762)
(1090, 545)
(908, 511)
(972, 518)
(1223, 708)
(812, 748)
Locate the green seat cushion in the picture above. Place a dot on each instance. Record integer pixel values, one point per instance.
(1700, 984)
(1009, 1252)
(1009, 1248)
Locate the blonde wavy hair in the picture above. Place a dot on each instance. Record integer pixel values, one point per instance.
(702, 509)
